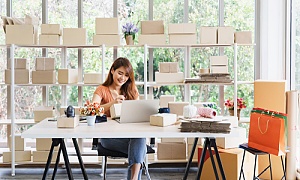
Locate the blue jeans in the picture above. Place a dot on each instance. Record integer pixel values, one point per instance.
(134, 147)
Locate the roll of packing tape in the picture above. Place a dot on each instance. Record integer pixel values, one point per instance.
(206, 112)
(189, 111)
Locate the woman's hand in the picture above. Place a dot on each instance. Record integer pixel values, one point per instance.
(119, 99)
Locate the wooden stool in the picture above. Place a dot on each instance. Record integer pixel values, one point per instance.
(256, 153)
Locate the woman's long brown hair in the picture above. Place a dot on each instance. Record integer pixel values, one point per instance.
(128, 89)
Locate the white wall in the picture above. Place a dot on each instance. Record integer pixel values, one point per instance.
(272, 39)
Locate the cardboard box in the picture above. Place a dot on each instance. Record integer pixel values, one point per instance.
(190, 141)
(111, 40)
(171, 151)
(165, 99)
(115, 110)
(169, 77)
(43, 112)
(49, 40)
(232, 142)
(168, 67)
(225, 35)
(67, 122)
(177, 107)
(152, 27)
(243, 37)
(174, 67)
(67, 76)
(173, 140)
(270, 95)
(153, 39)
(20, 63)
(182, 39)
(219, 69)
(51, 29)
(21, 76)
(43, 77)
(63, 108)
(231, 161)
(44, 64)
(263, 162)
(107, 26)
(42, 156)
(208, 35)
(20, 156)
(182, 28)
(74, 36)
(218, 60)
(20, 143)
(189, 150)
(93, 78)
(20, 34)
(44, 144)
(164, 119)
(164, 67)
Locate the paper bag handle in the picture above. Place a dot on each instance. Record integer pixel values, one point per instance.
(266, 127)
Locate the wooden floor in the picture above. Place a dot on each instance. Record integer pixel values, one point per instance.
(156, 173)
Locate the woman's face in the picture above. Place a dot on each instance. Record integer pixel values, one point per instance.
(120, 76)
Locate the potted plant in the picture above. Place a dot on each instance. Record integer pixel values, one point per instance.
(241, 104)
(91, 110)
(129, 30)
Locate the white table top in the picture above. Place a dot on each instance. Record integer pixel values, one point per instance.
(112, 129)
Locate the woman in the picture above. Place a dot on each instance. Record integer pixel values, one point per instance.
(118, 86)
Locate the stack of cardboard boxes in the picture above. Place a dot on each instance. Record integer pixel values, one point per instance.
(107, 32)
(44, 71)
(50, 34)
(43, 146)
(152, 33)
(22, 74)
(21, 154)
(169, 73)
(182, 34)
(218, 64)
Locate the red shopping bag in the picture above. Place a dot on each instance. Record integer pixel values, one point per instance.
(266, 132)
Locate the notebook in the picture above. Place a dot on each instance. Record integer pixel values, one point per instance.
(135, 111)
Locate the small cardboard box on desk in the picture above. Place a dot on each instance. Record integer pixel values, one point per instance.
(163, 119)
(67, 122)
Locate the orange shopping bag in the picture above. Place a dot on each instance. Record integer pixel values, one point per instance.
(266, 133)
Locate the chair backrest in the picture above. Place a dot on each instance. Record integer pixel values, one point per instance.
(106, 152)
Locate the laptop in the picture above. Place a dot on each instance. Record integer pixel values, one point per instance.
(135, 111)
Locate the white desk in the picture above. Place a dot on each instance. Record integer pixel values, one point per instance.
(112, 129)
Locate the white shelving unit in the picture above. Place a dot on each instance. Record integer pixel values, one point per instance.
(145, 83)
